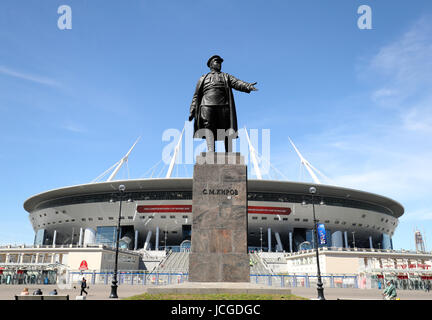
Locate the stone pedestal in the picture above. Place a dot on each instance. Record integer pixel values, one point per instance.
(219, 219)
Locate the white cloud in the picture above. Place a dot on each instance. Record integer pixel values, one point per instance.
(418, 118)
(74, 128)
(383, 93)
(405, 65)
(418, 215)
(28, 77)
(408, 58)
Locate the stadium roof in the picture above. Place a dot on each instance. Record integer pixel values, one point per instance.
(185, 184)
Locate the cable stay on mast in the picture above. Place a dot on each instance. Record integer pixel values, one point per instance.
(257, 158)
(116, 165)
(310, 168)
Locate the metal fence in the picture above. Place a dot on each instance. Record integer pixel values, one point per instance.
(140, 278)
(414, 283)
(13, 277)
(306, 281)
(28, 277)
(130, 278)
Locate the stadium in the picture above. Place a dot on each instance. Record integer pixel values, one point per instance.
(157, 214)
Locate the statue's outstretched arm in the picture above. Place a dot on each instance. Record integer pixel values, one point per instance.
(240, 85)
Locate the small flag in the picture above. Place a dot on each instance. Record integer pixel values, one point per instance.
(321, 234)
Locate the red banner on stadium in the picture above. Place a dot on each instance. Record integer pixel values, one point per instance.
(269, 210)
(164, 208)
(173, 208)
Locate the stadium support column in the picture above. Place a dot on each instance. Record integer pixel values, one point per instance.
(89, 236)
(54, 238)
(279, 242)
(80, 237)
(290, 241)
(269, 239)
(370, 242)
(136, 240)
(157, 239)
(147, 241)
(346, 239)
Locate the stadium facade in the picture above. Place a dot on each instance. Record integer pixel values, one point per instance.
(157, 214)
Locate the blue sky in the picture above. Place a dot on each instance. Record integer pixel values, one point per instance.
(357, 103)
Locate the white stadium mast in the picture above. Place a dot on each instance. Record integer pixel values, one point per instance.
(308, 166)
(119, 164)
(122, 161)
(253, 154)
(176, 151)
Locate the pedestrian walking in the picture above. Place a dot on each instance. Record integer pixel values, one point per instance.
(83, 286)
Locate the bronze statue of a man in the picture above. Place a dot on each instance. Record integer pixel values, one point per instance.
(213, 106)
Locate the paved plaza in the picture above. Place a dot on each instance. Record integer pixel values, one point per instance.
(102, 292)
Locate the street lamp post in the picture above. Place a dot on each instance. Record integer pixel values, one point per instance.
(320, 289)
(114, 282)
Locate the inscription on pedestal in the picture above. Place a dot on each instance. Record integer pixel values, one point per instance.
(219, 219)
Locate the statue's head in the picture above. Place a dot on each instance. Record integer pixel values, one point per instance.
(215, 62)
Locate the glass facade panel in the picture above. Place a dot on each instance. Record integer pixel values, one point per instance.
(106, 236)
(386, 241)
(39, 237)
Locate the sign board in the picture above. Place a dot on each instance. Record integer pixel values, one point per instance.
(83, 265)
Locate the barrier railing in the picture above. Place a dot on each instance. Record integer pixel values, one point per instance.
(161, 278)
(129, 278)
(306, 281)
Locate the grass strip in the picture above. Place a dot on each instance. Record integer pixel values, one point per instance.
(216, 296)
